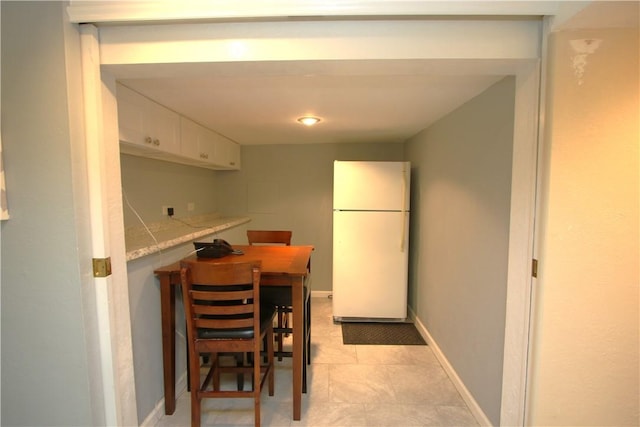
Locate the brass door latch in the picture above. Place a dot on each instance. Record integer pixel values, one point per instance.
(101, 267)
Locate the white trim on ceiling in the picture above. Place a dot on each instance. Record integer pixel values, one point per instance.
(102, 12)
(495, 40)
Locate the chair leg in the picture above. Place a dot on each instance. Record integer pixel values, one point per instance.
(271, 377)
(255, 379)
(195, 389)
(256, 411)
(240, 376)
(188, 368)
(195, 409)
(308, 331)
(304, 368)
(306, 345)
(279, 335)
(285, 320)
(215, 369)
(265, 358)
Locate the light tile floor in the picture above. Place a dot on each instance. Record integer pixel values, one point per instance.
(349, 385)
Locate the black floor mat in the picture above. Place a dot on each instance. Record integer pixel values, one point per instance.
(381, 334)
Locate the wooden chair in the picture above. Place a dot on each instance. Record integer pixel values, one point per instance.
(223, 313)
(281, 298)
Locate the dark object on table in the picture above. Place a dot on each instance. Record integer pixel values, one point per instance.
(216, 249)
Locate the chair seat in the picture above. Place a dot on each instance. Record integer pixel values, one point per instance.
(267, 314)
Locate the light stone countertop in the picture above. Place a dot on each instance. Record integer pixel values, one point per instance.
(174, 231)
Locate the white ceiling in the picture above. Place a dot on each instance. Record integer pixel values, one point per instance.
(358, 101)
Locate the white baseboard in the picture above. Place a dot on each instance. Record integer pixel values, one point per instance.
(475, 409)
(321, 294)
(158, 412)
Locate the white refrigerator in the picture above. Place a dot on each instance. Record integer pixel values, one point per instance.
(370, 240)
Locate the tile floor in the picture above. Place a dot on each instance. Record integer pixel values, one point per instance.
(350, 385)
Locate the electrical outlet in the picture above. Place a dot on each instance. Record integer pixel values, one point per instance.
(191, 207)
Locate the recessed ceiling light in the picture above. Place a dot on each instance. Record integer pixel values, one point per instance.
(309, 120)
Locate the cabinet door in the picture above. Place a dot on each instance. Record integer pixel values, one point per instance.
(131, 118)
(197, 142)
(189, 134)
(227, 153)
(163, 125)
(147, 124)
(206, 147)
(233, 155)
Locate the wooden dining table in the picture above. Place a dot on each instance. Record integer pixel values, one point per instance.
(281, 266)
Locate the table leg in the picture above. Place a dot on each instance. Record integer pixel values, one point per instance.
(298, 341)
(168, 313)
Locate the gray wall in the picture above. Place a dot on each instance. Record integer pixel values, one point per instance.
(146, 331)
(46, 370)
(461, 184)
(150, 184)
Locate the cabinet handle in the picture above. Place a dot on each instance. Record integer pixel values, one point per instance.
(232, 163)
(204, 155)
(156, 142)
(148, 140)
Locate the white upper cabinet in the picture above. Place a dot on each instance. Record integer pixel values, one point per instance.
(148, 129)
(208, 148)
(147, 125)
(226, 152)
(196, 143)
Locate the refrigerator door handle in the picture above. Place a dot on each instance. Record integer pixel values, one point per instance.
(404, 230)
(404, 206)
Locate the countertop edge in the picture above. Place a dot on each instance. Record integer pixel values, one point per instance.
(225, 224)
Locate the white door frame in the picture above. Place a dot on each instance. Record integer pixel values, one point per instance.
(521, 240)
(120, 47)
(107, 238)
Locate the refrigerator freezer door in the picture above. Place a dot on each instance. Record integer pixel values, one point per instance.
(377, 186)
(370, 262)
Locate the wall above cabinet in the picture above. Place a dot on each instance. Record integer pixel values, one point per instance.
(148, 129)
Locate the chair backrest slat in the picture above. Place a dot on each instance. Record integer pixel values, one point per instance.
(228, 295)
(223, 274)
(221, 324)
(282, 237)
(223, 310)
